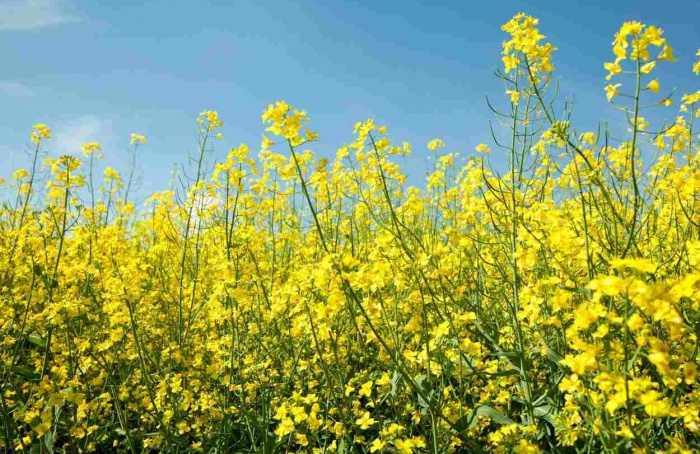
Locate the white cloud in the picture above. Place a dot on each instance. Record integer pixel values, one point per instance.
(14, 88)
(32, 14)
(70, 135)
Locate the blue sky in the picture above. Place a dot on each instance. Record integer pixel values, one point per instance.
(97, 70)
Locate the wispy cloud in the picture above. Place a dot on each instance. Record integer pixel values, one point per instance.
(71, 134)
(33, 14)
(14, 88)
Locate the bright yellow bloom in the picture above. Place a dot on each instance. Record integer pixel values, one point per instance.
(320, 290)
(643, 265)
(525, 447)
(404, 446)
(209, 120)
(647, 67)
(514, 96)
(653, 86)
(137, 139)
(285, 427)
(40, 131)
(614, 69)
(366, 389)
(482, 148)
(301, 440)
(90, 148)
(611, 91)
(436, 144)
(666, 54)
(365, 421)
(20, 174)
(525, 40)
(377, 445)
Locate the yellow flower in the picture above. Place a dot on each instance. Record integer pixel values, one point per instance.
(377, 445)
(40, 131)
(263, 282)
(581, 363)
(285, 427)
(482, 148)
(20, 174)
(266, 143)
(525, 40)
(435, 144)
(301, 440)
(514, 96)
(611, 91)
(365, 421)
(667, 53)
(137, 139)
(653, 86)
(441, 330)
(640, 264)
(614, 69)
(90, 148)
(404, 446)
(525, 447)
(366, 389)
(287, 122)
(42, 428)
(654, 405)
(510, 62)
(588, 138)
(647, 67)
(111, 174)
(383, 380)
(209, 119)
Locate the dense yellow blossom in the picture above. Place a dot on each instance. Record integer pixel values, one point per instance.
(280, 300)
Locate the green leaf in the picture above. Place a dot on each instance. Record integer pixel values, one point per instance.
(426, 390)
(269, 445)
(494, 415)
(539, 401)
(513, 358)
(553, 356)
(543, 410)
(505, 373)
(423, 383)
(25, 372)
(395, 377)
(36, 340)
(465, 422)
(512, 355)
(48, 441)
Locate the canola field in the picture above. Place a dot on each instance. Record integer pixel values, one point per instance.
(280, 303)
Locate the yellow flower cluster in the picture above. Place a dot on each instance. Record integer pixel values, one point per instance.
(41, 131)
(287, 123)
(137, 139)
(524, 47)
(633, 42)
(285, 301)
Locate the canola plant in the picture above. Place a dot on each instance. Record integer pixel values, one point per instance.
(278, 302)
